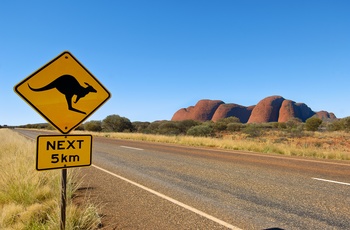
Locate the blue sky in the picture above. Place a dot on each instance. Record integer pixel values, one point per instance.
(156, 57)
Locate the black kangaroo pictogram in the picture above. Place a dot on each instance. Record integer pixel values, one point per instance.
(69, 86)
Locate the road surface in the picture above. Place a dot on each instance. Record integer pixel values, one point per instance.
(142, 185)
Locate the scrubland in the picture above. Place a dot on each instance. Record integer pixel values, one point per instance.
(326, 145)
(30, 199)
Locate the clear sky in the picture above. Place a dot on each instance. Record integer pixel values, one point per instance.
(156, 57)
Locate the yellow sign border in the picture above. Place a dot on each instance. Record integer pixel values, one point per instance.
(42, 113)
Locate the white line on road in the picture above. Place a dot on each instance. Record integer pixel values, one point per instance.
(127, 147)
(212, 218)
(331, 181)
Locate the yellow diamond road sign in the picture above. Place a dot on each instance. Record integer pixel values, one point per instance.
(64, 92)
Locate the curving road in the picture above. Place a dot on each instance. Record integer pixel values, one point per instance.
(144, 185)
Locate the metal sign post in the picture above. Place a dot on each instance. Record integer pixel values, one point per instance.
(63, 198)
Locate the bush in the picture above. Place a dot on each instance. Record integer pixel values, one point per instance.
(95, 126)
(220, 126)
(140, 126)
(169, 128)
(228, 120)
(297, 132)
(153, 128)
(346, 123)
(293, 123)
(313, 123)
(234, 127)
(116, 123)
(336, 125)
(253, 130)
(203, 130)
(185, 125)
(282, 125)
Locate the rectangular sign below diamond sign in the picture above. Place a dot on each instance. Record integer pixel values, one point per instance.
(63, 151)
(64, 92)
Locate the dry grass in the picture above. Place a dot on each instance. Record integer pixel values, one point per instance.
(30, 199)
(325, 145)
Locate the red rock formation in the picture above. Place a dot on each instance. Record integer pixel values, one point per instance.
(270, 109)
(202, 111)
(182, 114)
(324, 115)
(205, 109)
(233, 110)
(332, 116)
(267, 110)
(287, 111)
(304, 111)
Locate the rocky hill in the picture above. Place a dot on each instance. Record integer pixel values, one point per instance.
(270, 109)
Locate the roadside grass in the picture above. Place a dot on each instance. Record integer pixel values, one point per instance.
(30, 199)
(324, 145)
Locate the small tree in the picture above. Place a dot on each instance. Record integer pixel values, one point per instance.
(140, 126)
(220, 126)
(185, 125)
(346, 123)
(253, 130)
(313, 123)
(169, 128)
(95, 126)
(234, 127)
(228, 120)
(203, 130)
(293, 123)
(116, 123)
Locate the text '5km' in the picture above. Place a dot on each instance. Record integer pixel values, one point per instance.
(63, 151)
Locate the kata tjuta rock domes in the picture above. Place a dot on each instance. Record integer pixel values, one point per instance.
(270, 109)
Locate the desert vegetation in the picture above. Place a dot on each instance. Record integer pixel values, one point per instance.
(30, 199)
(313, 138)
(335, 146)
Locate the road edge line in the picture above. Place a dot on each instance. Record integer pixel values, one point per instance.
(331, 181)
(203, 214)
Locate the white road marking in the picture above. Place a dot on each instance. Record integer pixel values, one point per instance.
(127, 147)
(331, 181)
(212, 218)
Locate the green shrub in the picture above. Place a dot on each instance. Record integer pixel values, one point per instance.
(234, 127)
(185, 125)
(203, 130)
(346, 123)
(220, 126)
(140, 126)
(116, 123)
(252, 130)
(293, 123)
(313, 123)
(95, 126)
(336, 125)
(228, 120)
(282, 125)
(169, 128)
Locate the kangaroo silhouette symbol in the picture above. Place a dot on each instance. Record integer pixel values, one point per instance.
(69, 86)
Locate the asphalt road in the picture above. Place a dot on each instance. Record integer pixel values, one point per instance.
(144, 185)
